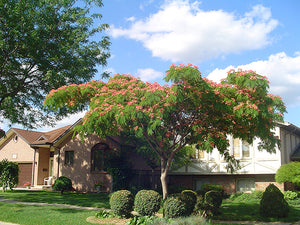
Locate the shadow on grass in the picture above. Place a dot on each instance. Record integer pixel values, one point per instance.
(249, 211)
(79, 199)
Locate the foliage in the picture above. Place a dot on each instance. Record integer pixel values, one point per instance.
(191, 220)
(289, 173)
(121, 203)
(190, 198)
(121, 171)
(9, 174)
(140, 220)
(212, 202)
(290, 195)
(104, 214)
(193, 110)
(62, 184)
(45, 45)
(273, 203)
(174, 207)
(212, 187)
(147, 202)
(245, 197)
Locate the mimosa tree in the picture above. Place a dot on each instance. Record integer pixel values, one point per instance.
(193, 110)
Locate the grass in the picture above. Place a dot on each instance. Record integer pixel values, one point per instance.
(232, 210)
(46, 215)
(80, 199)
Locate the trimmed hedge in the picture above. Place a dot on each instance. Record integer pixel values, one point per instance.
(190, 198)
(147, 202)
(273, 203)
(121, 203)
(62, 184)
(174, 207)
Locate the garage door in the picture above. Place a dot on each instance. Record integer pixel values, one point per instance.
(25, 173)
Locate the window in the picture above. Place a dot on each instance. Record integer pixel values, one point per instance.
(69, 157)
(241, 148)
(236, 147)
(245, 149)
(199, 154)
(245, 185)
(98, 157)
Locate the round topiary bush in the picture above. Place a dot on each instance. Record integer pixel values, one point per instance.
(121, 203)
(273, 203)
(190, 198)
(147, 202)
(62, 184)
(174, 207)
(212, 202)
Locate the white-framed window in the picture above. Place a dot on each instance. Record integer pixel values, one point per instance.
(245, 185)
(241, 149)
(200, 154)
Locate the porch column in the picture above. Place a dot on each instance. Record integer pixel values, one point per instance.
(33, 166)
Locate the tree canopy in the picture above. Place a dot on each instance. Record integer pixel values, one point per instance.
(45, 44)
(289, 173)
(193, 110)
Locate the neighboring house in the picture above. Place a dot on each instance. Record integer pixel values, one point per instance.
(258, 168)
(61, 153)
(57, 153)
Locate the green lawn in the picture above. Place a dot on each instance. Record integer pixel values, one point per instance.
(46, 215)
(249, 211)
(80, 199)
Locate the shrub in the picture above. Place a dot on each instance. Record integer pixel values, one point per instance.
(289, 173)
(212, 187)
(9, 174)
(147, 202)
(273, 203)
(190, 198)
(199, 203)
(62, 184)
(121, 203)
(174, 207)
(140, 220)
(290, 195)
(212, 201)
(257, 194)
(191, 220)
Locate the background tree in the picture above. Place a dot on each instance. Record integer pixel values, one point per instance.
(289, 173)
(193, 110)
(9, 174)
(45, 45)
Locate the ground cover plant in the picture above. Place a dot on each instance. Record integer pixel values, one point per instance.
(80, 199)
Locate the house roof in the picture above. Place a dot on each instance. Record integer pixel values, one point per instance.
(289, 127)
(36, 137)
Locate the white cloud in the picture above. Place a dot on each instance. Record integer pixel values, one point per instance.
(70, 120)
(181, 31)
(130, 19)
(149, 74)
(282, 71)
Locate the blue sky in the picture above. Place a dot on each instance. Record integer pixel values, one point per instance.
(262, 35)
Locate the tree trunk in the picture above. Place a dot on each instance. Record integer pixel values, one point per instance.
(163, 179)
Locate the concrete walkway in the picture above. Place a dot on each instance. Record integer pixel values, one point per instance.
(93, 208)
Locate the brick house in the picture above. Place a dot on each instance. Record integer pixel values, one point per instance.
(61, 153)
(41, 155)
